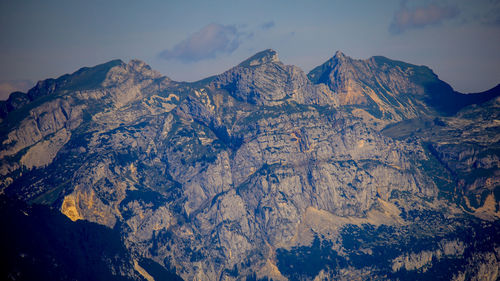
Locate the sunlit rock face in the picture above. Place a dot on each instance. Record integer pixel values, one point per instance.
(357, 170)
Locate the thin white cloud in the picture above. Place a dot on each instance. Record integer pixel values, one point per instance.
(419, 17)
(206, 43)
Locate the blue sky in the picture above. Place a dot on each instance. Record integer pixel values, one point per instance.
(190, 40)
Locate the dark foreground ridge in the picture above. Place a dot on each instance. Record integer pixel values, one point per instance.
(42, 244)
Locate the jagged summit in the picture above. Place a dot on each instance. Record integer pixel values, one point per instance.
(263, 80)
(340, 55)
(266, 56)
(320, 73)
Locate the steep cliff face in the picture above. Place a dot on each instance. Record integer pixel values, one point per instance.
(262, 169)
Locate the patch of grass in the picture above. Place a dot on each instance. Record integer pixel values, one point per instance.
(88, 78)
(50, 196)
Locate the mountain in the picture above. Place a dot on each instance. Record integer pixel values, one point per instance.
(392, 90)
(361, 169)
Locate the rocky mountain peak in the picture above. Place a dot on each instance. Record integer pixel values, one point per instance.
(263, 80)
(263, 57)
(139, 66)
(390, 90)
(135, 69)
(321, 73)
(339, 56)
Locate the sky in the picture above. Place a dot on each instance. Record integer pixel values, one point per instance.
(192, 39)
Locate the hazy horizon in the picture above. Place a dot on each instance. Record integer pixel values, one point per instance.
(191, 40)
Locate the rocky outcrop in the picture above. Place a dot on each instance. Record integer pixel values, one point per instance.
(40, 136)
(385, 87)
(264, 80)
(423, 259)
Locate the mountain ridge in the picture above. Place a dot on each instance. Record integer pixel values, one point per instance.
(317, 75)
(263, 57)
(420, 82)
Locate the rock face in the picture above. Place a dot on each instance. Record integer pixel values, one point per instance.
(264, 80)
(354, 170)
